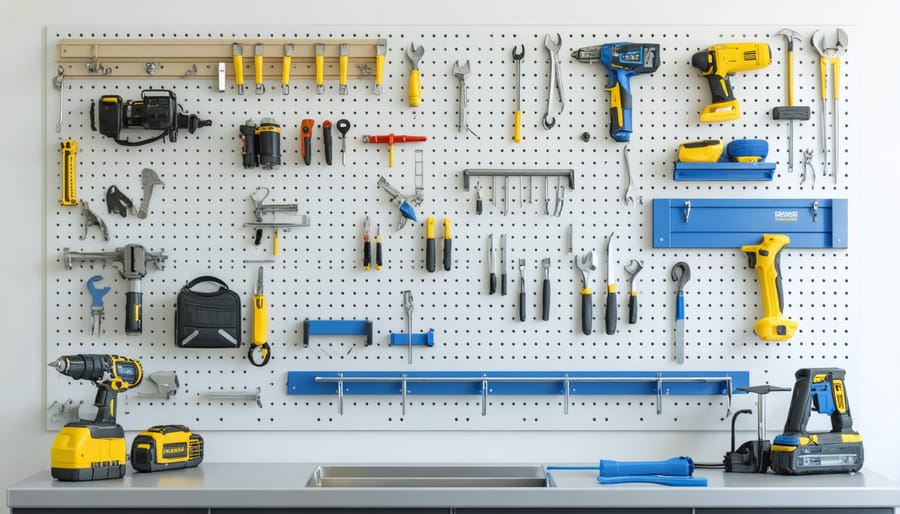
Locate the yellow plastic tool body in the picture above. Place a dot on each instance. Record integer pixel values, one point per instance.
(69, 150)
(237, 51)
(766, 259)
(701, 151)
(320, 68)
(286, 68)
(258, 68)
(260, 320)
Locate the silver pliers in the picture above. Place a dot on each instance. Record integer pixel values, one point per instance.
(556, 79)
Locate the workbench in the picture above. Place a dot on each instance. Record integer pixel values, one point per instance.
(235, 488)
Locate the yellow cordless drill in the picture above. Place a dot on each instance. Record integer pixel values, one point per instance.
(717, 64)
(798, 452)
(766, 258)
(94, 450)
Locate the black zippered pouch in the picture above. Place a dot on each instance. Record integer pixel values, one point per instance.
(207, 319)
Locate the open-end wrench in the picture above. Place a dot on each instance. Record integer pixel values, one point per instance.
(408, 306)
(556, 80)
(58, 84)
(586, 265)
(633, 268)
(629, 190)
(517, 128)
(149, 179)
(461, 72)
(97, 294)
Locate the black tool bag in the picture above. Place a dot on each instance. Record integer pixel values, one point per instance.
(208, 319)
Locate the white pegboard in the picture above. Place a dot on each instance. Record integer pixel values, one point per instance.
(197, 218)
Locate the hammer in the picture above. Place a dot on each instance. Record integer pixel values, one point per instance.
(790, 112)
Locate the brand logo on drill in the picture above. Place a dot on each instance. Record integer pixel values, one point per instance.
(174, 450)
(787, 215)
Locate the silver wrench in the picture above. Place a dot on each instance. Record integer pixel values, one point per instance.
(629, 190)
(408, 305)
(58, 84)
(556, 80)
(149, 179)
(461, 72)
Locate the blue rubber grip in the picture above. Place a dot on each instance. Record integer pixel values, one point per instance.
(621, 133)
(679, 307)
(676, 466)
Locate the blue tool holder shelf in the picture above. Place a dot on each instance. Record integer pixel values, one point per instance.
(483, 383)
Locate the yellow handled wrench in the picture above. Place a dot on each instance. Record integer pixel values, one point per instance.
(415, 86)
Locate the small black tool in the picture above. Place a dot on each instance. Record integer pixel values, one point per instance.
(343, 126)
(117, 202)
(326, 137)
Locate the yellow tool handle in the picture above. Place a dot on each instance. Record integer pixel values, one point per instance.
(286, 70)
(69, 150)
(446, 228)
(379, 69)
(275, 243)
(343, 62)
(415, 89)
(320, 70)
(517, 130)
(391, 155)
(258, 66)
(238, 70)
(260, 320)
(790, 73)
(429, 228)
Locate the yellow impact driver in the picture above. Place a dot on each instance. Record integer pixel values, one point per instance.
(766, 258)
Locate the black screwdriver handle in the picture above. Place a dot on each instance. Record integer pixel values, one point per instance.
(522, 305)
(429, 255)
(133, 312)
(633, 309)
(326, 137)
(545, 306)
(611, 315)
(503, 284)
(448, 256)
(493, 283)
(587, 305)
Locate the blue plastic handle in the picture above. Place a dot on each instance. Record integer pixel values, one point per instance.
(653, 479)
(676, 466)
(679, 307)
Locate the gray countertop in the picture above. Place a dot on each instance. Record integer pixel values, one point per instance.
(284, 485)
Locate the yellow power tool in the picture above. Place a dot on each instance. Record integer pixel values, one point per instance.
(798, 452)
(69, 150)
(94, 450)
(766, 258)
(165, 447)
(717, 64)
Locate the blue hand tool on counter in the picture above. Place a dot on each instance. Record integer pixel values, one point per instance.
(676, 472)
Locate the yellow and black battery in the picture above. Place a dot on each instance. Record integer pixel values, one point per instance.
(165, 447)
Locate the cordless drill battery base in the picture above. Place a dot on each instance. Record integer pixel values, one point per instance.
(94, 450)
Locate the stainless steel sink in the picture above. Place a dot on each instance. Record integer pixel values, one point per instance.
(428, 476)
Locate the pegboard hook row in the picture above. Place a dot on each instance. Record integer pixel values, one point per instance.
(717, 383)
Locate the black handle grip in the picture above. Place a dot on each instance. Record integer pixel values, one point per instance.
(448, 255)
(633, 309)
(367, 255)
(479, 205)
(503, 284)
(778, 287)
(378, 261)
(134, 314)
(720, 88)
(611, 315)
(429, 255)
(493, 283)
(326, 136)
(545, 306)
(307, 148)
(522, 306)
(587, 305)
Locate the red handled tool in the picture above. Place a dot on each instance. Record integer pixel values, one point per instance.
(390, 139)
(306, 128)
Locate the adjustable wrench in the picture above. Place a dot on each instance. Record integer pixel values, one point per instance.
(149, 179)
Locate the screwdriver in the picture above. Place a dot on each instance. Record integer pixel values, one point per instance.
(237, 53)
(306, 128)
(429, 244)
(492, 273)
(378, 246)
(326, 138)
(367, 246)
(479, 200)
(448, 258)
(260, 325)
(503, 258)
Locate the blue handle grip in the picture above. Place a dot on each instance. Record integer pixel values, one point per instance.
(676, 466)
(679, 307)
(651, 479)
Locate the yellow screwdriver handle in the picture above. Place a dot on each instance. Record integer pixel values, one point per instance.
(258, 66)
(517, 130)
(823, 76)
(415, 89)
(238, 60)
(260, 320)
(320, 70)
(285, 70)
(275, 243)
(343, 62)
(379, 69)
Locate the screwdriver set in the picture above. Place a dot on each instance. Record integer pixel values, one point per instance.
(444, 202)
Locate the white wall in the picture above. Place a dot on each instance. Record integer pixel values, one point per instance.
(875, 245)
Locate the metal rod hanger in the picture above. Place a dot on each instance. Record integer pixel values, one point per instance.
(511, 172)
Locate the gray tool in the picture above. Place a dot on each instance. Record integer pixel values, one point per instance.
(380, 52)
(633, 268)
(586, 265)
(97, 294)
(461, 72)
(809, 170)
(612, 315)
(522, 295)
(406, 203)
(560, 197)
(681, 273)
(58, 84)
(92, 220)
(503, 264)
(149, 179)
(517, 57)
(547, 195)
(831, 55)
(629, 189)
(117, 202)
(343, 126)
(556, 80)
(408, 306)
(166, 384)
(545, 291)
